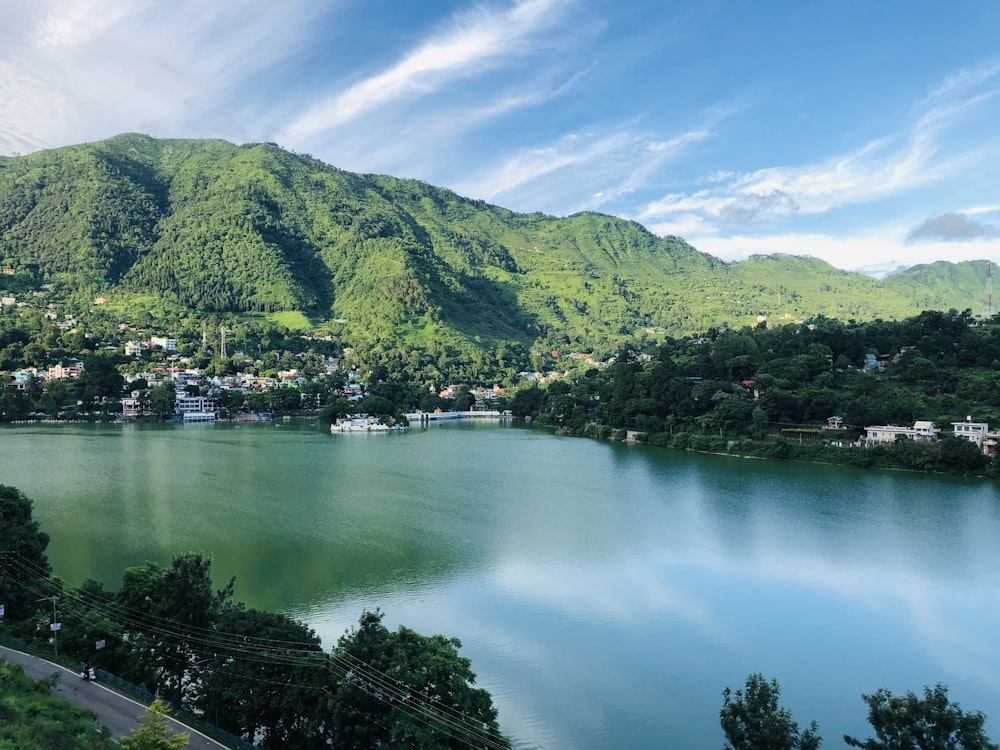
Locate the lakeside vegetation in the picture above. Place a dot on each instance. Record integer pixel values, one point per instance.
(258, 262)
(770, 391)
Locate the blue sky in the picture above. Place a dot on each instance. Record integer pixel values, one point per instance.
(863, 133)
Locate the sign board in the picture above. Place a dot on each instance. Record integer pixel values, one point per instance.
(100, 644)
(55, 626)
(1, 611)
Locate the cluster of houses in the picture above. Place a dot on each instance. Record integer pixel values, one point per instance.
(977, 433)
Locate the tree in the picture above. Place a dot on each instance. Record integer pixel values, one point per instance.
(758, 426)
(22, 554)
(154, 733)
(100, 378)
(176, 601)
(261, 686)
(752, 719)
(955, 453)
(162, 398)
(335, 409)
(906, 722)
(404, 690)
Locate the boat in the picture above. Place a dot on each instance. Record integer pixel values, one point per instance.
(364, 424)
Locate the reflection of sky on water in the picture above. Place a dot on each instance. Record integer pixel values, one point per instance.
(638, 641)
(604, 593)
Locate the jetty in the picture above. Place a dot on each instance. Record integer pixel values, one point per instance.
(424, 418)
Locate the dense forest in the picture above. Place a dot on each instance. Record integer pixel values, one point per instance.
(161, 229)
(770, 392)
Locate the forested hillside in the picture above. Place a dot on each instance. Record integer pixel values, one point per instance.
(205, 226)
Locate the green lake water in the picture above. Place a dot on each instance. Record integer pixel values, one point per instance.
(606, 594)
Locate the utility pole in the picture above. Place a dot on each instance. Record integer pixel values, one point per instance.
(989, 312)
(54, 627)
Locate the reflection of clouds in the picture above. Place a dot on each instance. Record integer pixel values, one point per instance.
(629, 592)
(625, 617)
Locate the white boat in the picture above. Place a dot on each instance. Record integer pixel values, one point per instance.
(364, 424)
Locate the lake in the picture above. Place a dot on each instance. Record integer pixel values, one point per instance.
(605, 593)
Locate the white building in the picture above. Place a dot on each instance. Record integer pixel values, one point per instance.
(185, 404)
(921, 430)
(974, 432)
(169, 344)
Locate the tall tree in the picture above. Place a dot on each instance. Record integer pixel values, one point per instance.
(908, 722)
(25, 568)
(266, 682)
(752, 719)
(404, 690)
(100, 378)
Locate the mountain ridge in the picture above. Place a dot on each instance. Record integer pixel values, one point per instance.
(218, 228)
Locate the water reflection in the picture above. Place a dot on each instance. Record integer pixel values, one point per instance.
(605, 593)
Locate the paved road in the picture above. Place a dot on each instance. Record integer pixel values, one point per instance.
(116, 712)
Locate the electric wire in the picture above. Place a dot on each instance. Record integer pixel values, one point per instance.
(264, 651)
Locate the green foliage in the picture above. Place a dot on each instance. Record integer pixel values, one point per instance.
(163, 659)
(154, 734)
(793, 378)
(414, 276)
(100, 378)
(438, 707)
(276, 698)
(752, 719)
(162, 398)
(933, 722)
(34, 720)
(22, 553)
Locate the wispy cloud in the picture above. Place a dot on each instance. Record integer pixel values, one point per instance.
(472, 42)
(423, 143)
(879, 169)
(584, 170)
(962, 80)
(530, 165)
(74, 70)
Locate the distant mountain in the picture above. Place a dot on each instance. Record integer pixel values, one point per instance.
(211, 227)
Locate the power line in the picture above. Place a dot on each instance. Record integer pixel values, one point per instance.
(264, 651)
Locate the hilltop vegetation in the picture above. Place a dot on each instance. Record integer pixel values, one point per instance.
(173, 228)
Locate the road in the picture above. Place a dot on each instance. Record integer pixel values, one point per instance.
(119, 714)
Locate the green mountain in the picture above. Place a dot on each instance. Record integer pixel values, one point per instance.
(210, 227)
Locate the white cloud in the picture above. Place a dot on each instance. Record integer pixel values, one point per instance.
(473, 42)
(73, 71)
(850, 251)
(532, 164)
(974, 210)
(964, 79)
(875, 171)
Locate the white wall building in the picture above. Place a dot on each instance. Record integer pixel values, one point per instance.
(921, 430)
